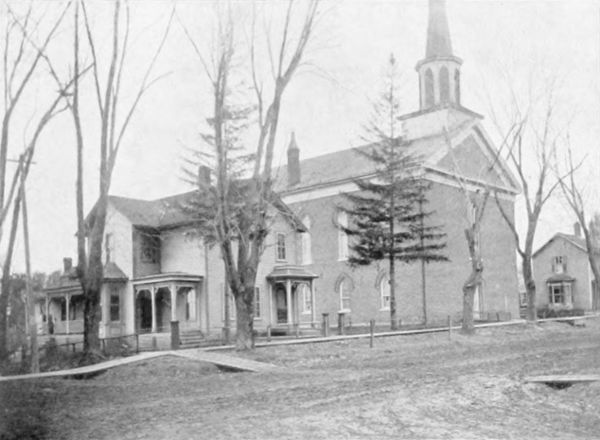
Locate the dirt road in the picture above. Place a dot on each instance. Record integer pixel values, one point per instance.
(405, 387)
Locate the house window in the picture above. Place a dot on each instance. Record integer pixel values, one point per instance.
(108, 246)
(281, 247)
(344, 296)
(306, 243)
(559, 264)
(560, 293)
(384, 293)
(115, 307)
(257, 311)
(149, 252)
(342, 236)
(306, 299)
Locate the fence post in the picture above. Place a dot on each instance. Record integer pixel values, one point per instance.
(450, 326)
(174, 335)
(103, 345)
(154, 344)
(325, 325)
(268, 333)
(297, 330)
(341, 329)
(137, 343)
(372, 329)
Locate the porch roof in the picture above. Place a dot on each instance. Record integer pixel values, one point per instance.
(290, 272)
(560, 278)
(167, 277)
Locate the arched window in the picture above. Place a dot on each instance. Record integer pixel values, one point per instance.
(457, 86)
(429, 99)
(306, 242)
(342, 236)
(344, 286)
(444, 85)
(384, 293)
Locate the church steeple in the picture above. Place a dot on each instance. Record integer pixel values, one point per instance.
(439, 72)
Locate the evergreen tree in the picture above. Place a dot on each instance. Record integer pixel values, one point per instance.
(387, 216)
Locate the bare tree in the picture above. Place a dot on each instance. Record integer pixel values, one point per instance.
(112, 130)
(240, 209)
(574, 195)
(21, 60)
(533, 139)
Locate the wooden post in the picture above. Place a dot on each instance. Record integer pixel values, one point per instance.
(325, 325)
(341, 323)
(372, 330)
(137, 343)
(268, 333)
(449, 326)
(103, 341)
(174, 335)
(154, 344)
(297, 330)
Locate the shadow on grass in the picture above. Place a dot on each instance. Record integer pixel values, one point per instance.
(23, 410)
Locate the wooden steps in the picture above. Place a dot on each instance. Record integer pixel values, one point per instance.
(191, 338)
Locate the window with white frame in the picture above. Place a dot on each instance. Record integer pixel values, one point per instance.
(306, 297)
(384, 293)
(560, 293)
(281, 254)
(114, 307)
(108, 247)
(342, 236)
(257, 311)
(306, 242)
(344, 292)
(559, 264)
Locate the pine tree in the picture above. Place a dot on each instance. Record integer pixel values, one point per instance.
(387, 215)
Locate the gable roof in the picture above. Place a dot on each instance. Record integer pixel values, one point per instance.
(577, 242)
(173, 211)
(468, 142)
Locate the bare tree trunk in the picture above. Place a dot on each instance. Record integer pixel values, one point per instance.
(393, 313)
(473, 281)
(35, 357)
(5, 282)
(529, 288)
(244, 307)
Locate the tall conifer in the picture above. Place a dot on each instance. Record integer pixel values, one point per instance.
(388, 216)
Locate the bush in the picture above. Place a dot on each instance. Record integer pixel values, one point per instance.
(547, 312)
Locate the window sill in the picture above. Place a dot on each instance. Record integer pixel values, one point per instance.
(345, 311)
(384, 309)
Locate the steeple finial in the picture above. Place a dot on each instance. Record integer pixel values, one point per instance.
(439, 43)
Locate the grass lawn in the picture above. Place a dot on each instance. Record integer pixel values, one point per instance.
(425, 386)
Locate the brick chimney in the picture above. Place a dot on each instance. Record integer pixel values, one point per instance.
(204, 176)
(577, 229)
(293, 162)
(67, 265)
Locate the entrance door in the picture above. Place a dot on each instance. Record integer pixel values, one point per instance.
(281, 305)
(144, 310)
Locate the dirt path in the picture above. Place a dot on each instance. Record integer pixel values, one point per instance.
(405, 387)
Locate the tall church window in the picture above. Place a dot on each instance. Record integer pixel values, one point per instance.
(344, 293)
(429, 99)
(306, 242)
(384, 293)
(457, 86)
(342, 236)
(444, 85)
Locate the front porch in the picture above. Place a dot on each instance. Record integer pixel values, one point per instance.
(292, 297)
(163, 298)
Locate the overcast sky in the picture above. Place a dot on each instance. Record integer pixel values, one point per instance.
(329, 99)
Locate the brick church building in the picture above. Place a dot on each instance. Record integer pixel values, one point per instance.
(159, 269)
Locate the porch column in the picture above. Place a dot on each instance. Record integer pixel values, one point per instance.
(173, 289)
(271, 322)
(47, 315)
(313, 310)
(68, 306)
(288, 298)
(152, 298)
